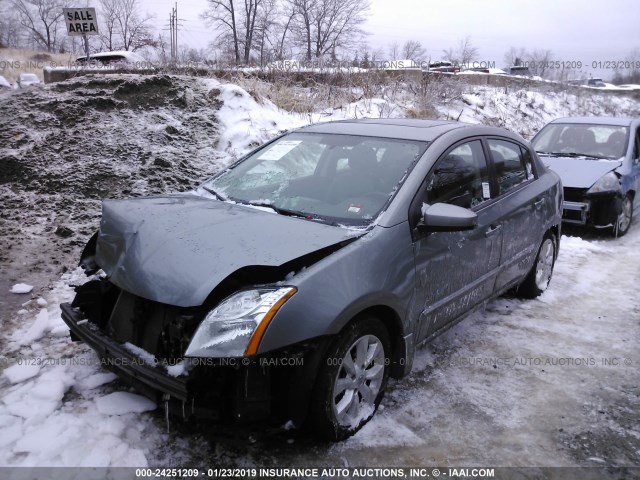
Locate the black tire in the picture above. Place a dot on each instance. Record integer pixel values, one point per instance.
(538, 278)
(336, 416)
(623, 222)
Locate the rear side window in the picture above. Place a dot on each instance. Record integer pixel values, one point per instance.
(460, 177)
(512, 164)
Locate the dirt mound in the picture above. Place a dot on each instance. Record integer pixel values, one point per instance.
(124, 135)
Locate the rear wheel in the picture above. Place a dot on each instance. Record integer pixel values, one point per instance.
(352, 380)
(624, 219)
(539, 277)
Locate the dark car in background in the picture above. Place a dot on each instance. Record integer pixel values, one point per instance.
(443, 66)
(598, 160)
(293, 284)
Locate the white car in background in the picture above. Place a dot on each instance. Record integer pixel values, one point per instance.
(115, 58)
(27, 79)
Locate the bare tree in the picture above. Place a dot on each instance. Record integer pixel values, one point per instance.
(413, 50)
(464, 54)
(628, 72)
(109, 11)
(122, 26)
(243, 25)
(265, 24)
(251, 9)
(287, 15)
(322, 26)
(133, 29)
(539, 61)
(41, 18)
(468, 52)
(9, 29)
(514, 56)
(377, 55)
(394, 51)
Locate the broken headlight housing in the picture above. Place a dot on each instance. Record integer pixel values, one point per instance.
(607, 183)
(235, 327)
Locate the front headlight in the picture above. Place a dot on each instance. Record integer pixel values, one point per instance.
(606, 183)
(235, 327)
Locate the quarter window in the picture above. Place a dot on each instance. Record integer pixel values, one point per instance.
(512, 164)
(460, 177)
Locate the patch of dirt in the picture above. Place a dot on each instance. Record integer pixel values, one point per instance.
(124, 135)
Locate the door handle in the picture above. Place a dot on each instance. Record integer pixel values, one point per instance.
(493, 229)
(539, 203)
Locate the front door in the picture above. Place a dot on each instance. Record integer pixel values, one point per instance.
(457, 270)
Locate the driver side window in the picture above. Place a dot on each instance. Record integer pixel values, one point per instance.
(460, 177)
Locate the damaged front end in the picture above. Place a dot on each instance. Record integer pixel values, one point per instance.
(598, 206)
(179, 297)
(146, 344)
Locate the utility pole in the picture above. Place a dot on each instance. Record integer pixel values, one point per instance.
(173, 33)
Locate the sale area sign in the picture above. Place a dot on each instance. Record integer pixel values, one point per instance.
(81, 21)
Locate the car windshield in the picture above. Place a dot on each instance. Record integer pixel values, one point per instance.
(584, 140)
(339, 179)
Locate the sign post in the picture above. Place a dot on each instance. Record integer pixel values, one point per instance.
(81, 22)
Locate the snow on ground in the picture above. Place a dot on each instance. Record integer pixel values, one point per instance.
(522, 383)
(477, 395)
(21, 288)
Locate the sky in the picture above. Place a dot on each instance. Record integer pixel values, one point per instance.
(574, 30)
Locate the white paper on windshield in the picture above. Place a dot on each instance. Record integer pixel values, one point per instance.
(279, 150)
(486, 191)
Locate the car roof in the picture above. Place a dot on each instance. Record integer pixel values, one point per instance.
(617, 121)
(116, 53)
(400, 128)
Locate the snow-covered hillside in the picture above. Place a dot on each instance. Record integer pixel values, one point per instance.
(64, 147)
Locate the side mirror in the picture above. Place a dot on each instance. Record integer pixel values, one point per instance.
(442, 217)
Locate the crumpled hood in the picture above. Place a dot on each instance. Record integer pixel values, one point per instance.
(578, 172)
(176, 249)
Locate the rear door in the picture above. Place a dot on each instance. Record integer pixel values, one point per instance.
(521, 200)
(455, 271)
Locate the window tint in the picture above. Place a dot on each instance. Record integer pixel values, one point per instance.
(512, 167)
(460, 177)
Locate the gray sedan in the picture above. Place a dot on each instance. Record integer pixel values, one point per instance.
(292, 285)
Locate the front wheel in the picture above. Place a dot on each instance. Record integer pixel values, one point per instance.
(539, 277)
(624, 219)
(351, 381)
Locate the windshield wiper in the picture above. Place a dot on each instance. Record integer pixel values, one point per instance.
(281, 211)
(569, 154)
(219, 196)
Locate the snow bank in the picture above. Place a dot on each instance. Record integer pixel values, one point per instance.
(58, 407)
(247, 122)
